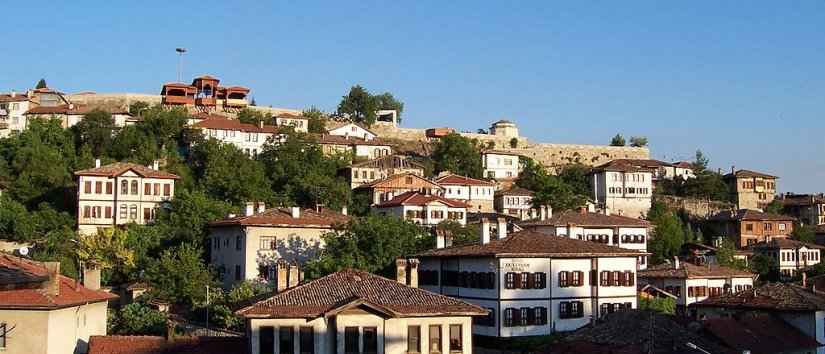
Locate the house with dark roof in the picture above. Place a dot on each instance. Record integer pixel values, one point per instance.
(254, 246)
(353, 311)
(43, 312)
(205, 95)
(624, 186)
(384, 189)
(531, 283)
(613, 230)
(747, 226)
(424, 209)
(796, 306)
(791, 255)
(477, 193)
(751, 189)
(121, 193)
(692, 282)
(809, 209)
(167, 345)
(369, 171)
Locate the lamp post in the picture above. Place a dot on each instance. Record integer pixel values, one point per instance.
(180, 52)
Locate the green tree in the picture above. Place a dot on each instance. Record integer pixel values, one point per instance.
(461, 235)
(575, 175)
(188, 217)
(667, 238)
(15, 222)
(766, 267)
(360, 105)
(107, 250)
(137, 108)
(41, 84)
(775, 207)
(317, 122)
(666, 305)
(96, 130)
(138, 319)
(725, 255)
(617, 140)
(459, 155)
(180, 275)
(371, 243)
(386, 101)
(700, 163)
(226, 173)
(549, 189)
(638, 141)
(804, 233)
(253, 116)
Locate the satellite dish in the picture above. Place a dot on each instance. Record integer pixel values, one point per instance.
(23, 251)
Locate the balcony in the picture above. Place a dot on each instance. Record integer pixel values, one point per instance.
(205, 101)
(178, 100)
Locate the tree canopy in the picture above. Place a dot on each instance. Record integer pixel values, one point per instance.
(638, 141)
(362, 106)
(459, 155)
(564, 192)
(617, 140)
(41, 84)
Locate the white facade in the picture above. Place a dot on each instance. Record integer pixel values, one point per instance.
(500, 165)
(429, 214)
(298, 123)
(250, 142)
(520, 206)
(353, 130)
(623, 193)
(128, 197)
(676, 170)
(792, 259)
(633, 238)
(480, 197)
(12, 117)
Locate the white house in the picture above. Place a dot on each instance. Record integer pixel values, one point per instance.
(479, 194)
(13, 107)
(623, 187)
(612, 230)
(350, 129)
(388, 188)
(353, 311)
(248, 138)
(298, 122)
(692, 283)
(424, 209)
(680, 169)
(530, 283)
(121, 193)
(358, 147)
(792, 256)
(250, 246)
(500, 164)
(517, 202)
(377, 169)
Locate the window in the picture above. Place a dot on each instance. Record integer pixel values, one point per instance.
(616, 278)
(604, 278)
(456, 340)
(98, 187)
(123, 211)
(577, 278)
(157, 189)
(540, 281)
(237, 272)
(749, 227)
(526, 316)
(564, 309)
(108, 212)
(572, 309)
(540, 315)
(87, 187)
(563, 281)
(133, 212)
(167, 190)
(508, 318)
(147, 213)
(266, 341)
(286, 340)
(524, 280)
(351, 338)
(510, 280)
(370, 340)
(782, 227)
(147, 189)
(267, 243)
(603, 309)
(628, 278)
(135, 187)
(414, 339)
(87, 211)
(768, 226)
(435, 339)
(108, 187)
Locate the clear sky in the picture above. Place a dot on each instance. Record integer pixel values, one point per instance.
(742, 81)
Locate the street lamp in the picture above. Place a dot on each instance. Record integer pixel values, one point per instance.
(180, 52)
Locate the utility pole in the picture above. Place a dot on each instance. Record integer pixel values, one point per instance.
(180, 52)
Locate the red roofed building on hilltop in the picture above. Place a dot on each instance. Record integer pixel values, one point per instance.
(424, 209)
(205, 95)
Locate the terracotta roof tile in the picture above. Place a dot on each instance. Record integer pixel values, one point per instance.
(802, 200)
(772, 296)
(283, 217)
(748, 214)
(748, 174)
(418, 199)
(21, 279)
(689, 270)
(17, 98)
(783, 242)
(456, 180)
(118, 168)
(587, 219)
(159, 345)
(320, 296)
(630, 165)
(760, 334)
(532, 244)
(349, 140)
(516, 191)
(391, 161)
(389, 180)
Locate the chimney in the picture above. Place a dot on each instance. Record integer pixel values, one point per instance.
(97, 163)
(440, 239)
(281, 276)
(260, 124)
(231, 215)
(294, 276)
(414, 272)
(261, 207)
(52, 285)
(344, 210)
(250, 209)
(485, 231)
(13, 93)
(296, 212)
(675, 262)
(583, 210)
(542, 213)
(501, 228)
(91, 277)
(156, 165)
(401, 270)
(170, 331)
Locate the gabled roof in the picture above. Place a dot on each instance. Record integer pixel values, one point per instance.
(350, 288)
(533, 244)
(414, 198)
(802, 199)
(682, 164)
(6, 97)
(389, 181)
(332, 125)
(770, 297)
(501, 152)
(629, 165)
(282, 217)
(748, 215)
(326, 139)
(515, 191)
(784, 243)
(689, 270)
(391, 161)
(760, 333)
(118, 168)
(748, 174)
(214, 122)
(456, 180)
(160, 345)
(21, 279)
(587, 219)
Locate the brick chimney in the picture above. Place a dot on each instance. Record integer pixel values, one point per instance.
(52, 285)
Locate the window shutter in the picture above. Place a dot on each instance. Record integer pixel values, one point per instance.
(690, 291)
(631, 281)
(543, 277)
(531, 280)
(609, 278)
(531, 316)
(543, 311)
(491, 280)
(516, 316)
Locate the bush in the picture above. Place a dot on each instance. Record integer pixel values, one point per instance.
(138, 319)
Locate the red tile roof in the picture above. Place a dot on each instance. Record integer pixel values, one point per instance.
(682, 164)
(516, 191)
(749, 214)
(785, 243)
(748, 174)
(21, 281)
(390, 161)
(689, 270)
(336, 125)
(772, 296)
(417, 199)
(282, 217)
(630, 165)
(17, 98)
(159, 345)
(760, 334)
(456, 180)
(118, 168)
(351, 287)
(388, 182)
(533, 244)
(222, 123)
(587, 219)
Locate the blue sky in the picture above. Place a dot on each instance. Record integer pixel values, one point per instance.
(742, 81)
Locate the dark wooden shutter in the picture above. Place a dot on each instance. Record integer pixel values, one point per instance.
(516, 316)
(531, 316)
(543, 277)
(531, 280)
(543, 311)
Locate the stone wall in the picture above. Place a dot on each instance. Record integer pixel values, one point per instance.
(695, 207)
(554, 155)
(123, 100)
